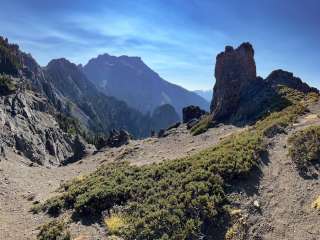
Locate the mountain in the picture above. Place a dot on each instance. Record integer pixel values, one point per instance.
(98, 112)
(164, 116)
(29, 122)
(229, 183)
(206, 94)
(131, 80)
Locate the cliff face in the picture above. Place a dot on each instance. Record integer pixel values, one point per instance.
(239, 95)
(235, 70)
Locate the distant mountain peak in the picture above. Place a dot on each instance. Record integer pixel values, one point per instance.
(130, 79)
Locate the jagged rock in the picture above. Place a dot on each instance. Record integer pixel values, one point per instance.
(81, 149)
(235, 70)
(240, 97)
(118, 138)
(192, 112)
(192, 123)
(280, 77)
(29, 128)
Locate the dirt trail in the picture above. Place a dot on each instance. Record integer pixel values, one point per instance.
(20, 182)
(284, 196)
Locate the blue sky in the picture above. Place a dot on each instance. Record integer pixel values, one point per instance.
(179, 39)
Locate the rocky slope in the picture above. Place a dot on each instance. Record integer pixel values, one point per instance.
(68, 90)
(28, 119)
(131, 80)
(240, 96)
(95, 110)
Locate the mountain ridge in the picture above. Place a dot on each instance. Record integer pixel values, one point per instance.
(147, 91)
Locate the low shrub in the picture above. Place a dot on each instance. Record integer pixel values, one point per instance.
(178, 199)
(202, 126)
(305, 150)
(54, 230)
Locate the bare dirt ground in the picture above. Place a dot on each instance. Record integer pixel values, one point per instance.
(21, 184)
(285, 197)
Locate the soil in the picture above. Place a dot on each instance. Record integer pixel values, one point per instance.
(283, 197)
(22, 184)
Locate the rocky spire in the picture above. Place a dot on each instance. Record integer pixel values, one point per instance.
(235, 69)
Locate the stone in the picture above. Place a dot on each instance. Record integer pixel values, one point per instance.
(235, 70)
(118, 138)
(192, 112)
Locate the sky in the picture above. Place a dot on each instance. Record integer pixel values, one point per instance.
(179, 39)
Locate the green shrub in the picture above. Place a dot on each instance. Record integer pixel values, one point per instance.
(305, 150)
(179, 199)
(54, 230)
(202, 126)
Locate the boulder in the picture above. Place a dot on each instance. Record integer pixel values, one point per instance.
(192, 112)
(118, 138)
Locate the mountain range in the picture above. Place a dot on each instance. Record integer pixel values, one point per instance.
(107, 93)
(131, 80)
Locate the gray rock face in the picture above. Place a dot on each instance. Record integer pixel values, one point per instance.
(240, 97)
(28, 128)
(235, 70)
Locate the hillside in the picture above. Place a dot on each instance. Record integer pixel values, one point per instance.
(95, 110)
(230, 182)
(131, 80)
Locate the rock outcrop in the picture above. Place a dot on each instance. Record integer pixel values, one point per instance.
(240, 96)
(29, 128)
(280, 77)
(235, 70)
(118, 138)
(192, 112)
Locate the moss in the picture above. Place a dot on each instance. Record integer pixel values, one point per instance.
(54, 230)
(305, 150)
